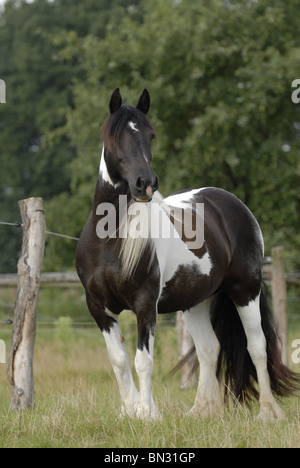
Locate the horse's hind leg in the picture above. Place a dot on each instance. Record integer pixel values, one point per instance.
(256, 344)
(208, 402)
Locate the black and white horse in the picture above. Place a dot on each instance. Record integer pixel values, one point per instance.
(200, 251)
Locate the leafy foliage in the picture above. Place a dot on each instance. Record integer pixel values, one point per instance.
(39, 90)
(219, 74)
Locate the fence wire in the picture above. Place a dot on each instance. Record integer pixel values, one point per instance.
(51, 233)
(65, 236)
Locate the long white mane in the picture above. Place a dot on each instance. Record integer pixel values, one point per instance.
(162, 218)
(138, 232)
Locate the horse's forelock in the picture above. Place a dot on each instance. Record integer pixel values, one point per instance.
(112, 129)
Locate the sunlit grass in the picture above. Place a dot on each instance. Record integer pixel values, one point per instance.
(78, 405)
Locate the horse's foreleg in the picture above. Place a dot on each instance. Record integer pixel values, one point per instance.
(144, 365)
(119, 360)
(109, 325)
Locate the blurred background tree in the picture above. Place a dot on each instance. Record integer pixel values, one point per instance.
(219, 73)
(39, 90)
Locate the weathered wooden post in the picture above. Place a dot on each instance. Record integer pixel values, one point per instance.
(20, 360)
(279, 298)
(185, 343)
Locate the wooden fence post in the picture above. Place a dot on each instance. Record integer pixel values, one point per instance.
(279, 298)
(20, 360)
(185, 343)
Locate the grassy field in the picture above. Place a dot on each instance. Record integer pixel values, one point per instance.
(77, 401)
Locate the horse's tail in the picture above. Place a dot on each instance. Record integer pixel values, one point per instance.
(235, 364)
(235, 367)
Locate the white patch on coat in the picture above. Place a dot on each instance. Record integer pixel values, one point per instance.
(103, 169)
(173, 252)
(179, 199)
(155, 229)
(133, 125)
(104, 172)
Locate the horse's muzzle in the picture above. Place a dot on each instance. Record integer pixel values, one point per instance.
(144, 189)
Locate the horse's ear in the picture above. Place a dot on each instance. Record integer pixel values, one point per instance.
(144, 102)
(115, 101)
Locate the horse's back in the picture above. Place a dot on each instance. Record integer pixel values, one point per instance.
(232, 244)
(226, 216)
(236, 224)
(229, 225)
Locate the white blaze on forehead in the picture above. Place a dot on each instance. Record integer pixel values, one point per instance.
(133, 125)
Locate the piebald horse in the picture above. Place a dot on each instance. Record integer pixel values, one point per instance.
(200, 251)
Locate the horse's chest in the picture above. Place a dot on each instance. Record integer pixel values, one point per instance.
(182, 273)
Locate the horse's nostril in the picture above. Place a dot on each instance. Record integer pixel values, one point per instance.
(155, 183)
(140, 183)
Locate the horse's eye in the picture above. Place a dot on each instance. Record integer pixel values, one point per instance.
(152, 136)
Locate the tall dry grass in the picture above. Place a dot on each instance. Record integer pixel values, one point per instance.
(77, 403)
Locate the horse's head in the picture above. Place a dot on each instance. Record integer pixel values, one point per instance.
(127, 135)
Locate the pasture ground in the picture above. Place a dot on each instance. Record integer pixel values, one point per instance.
(77, 401)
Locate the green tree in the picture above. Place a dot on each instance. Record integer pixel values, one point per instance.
(34, 157)
(219, 74)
